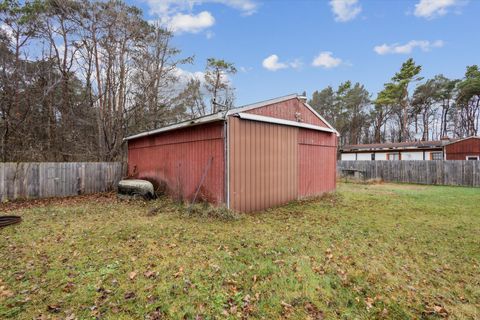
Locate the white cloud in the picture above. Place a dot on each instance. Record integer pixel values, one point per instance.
(345, 10)
(272, 63)
(180, 23)
(407, 48)
(326, 60)
(179, 15)
(185, 75)
(245, 69)
(168, 7)
(296, 64)
(434, 8)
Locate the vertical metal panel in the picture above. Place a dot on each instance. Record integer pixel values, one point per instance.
(461, 149)
(263, 164)
(293, 110)
(178, 159)
(317, 153)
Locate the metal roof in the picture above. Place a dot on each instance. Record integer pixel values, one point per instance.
(397, 145)
(467, 138)
(222, 115)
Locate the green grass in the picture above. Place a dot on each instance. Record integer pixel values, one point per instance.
(368, 252)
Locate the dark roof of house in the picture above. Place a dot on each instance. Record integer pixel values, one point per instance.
(397, 145)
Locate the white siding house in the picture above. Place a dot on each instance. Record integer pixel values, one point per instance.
(416, 150)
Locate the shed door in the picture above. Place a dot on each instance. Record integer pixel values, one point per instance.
(263, 164)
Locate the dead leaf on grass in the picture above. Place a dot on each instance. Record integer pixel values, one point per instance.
(5, 293)
(313, 311)
(132, 275)
(150, 274)
(54, 308)
(437, 310)
(129, 295)
(71, 317)
(369, 302)
(68, 287)
(179, 273)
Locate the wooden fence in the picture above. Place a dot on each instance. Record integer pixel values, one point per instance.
(442, 172)
(57, 179)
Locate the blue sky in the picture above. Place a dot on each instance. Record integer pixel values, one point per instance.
(282, 46)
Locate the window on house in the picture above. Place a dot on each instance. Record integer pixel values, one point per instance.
(373, 156)
(393, 156)
(473, 158)
(436, 156)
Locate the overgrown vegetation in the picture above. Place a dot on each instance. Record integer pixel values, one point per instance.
(370, 251)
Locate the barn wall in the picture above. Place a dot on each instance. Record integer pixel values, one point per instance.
(317, 158)
(292, 110)
(263, 164)
(179, 159)
(461, 149)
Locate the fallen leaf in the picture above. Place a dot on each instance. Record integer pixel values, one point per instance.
(129, 295)
(179, 273)
(150, 274)
(54, 308)
(132, 275)
(5, 293)
(369, 302)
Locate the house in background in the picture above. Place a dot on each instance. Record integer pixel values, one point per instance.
(416, 150)
(447, 149)
(249, 158)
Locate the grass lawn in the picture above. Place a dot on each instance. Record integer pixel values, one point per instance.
(369, 251)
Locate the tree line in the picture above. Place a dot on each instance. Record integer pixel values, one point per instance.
(78, 76)
(408, 108)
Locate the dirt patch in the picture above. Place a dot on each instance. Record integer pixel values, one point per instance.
(22, 204)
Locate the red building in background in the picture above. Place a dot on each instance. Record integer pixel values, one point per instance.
(248, 158)
(463, 149)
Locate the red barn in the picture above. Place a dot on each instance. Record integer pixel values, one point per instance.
(463, 149)
(248, 158)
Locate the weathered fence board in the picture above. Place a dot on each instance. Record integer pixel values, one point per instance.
(56, 179)
(439, 172)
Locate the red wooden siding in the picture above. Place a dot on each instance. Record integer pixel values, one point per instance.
(317, 153)
(178, 158)
(461, 149)
(288, 110)
(263, 164)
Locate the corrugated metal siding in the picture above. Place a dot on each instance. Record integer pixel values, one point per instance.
(460, 150)
(179, 159)
(317, 152)
(287, 110)
(263, 164)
